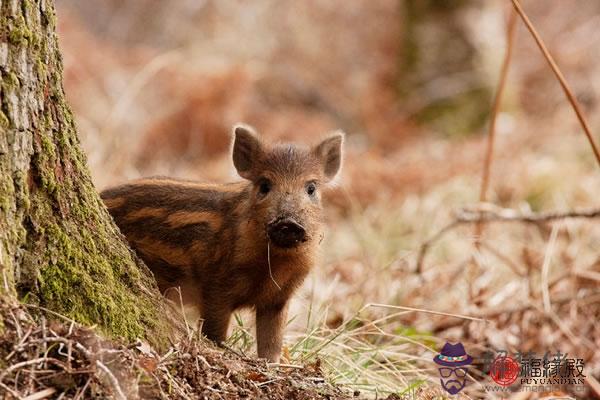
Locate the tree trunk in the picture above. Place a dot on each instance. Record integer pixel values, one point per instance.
(444, 64)
(58, 245)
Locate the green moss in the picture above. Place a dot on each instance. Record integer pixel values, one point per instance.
(460, 115)
(19, 32)
(11, 80)
(90, 276)
(20, 36)
(7, 193)
(50, 18)
(86, 285)
(48, 181)
(4, 121)
(19, 182)
(48, 147)
(40, 70)
(4, 204)
(45, 161)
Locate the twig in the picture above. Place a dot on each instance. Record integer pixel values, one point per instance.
(529, 305)
(69, 356)
(497, 311)
(546, 269)
(82, 392)
(22, 364)
(42, 394)
(85, 351)
(204, 361)
(269, 381)
(16, 324)
(279, 365)
(587, 274)
(485, 177)
(9, 390)
(19, 345)
(118, 392)
(560, 77)
(232, 350)
(489, 213)
(44, 344)
(52, 312)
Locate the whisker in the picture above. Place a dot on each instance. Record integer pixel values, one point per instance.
(269, 262)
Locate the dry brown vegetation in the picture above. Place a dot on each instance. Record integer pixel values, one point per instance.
(61, 359)
(156, 87)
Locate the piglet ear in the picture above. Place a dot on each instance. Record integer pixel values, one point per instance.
(247, 149)
(329, 152)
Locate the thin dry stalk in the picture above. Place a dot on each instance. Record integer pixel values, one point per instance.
(269, 263)
(489, 152)
(560, 77)
(546, 269)
(187, 326)
(421, 310)
(280, 365)
(42, 394)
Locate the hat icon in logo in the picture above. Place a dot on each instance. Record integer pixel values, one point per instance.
(453, 361)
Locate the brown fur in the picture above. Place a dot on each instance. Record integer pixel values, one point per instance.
(211, 240)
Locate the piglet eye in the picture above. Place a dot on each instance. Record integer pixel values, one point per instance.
(264, 186)
(311, 189)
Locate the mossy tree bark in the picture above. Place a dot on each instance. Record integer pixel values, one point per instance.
(58, 245)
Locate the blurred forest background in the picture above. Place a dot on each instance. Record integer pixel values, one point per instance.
(156, 87)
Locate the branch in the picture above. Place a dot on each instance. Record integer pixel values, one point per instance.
(493, 313)
(560, 77)
(118, 392)
(488, 213)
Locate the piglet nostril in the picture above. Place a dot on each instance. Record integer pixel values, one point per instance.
(286, 232)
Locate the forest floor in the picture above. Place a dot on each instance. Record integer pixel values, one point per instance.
(60, 359)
